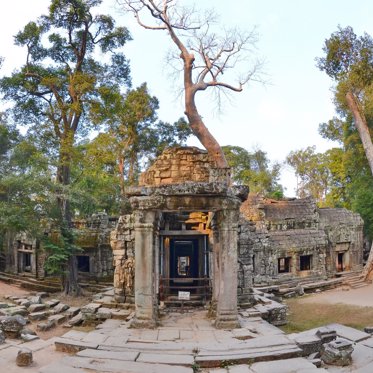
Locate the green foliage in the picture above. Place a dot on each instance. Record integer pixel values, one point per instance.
(254, 170)
(58, 251)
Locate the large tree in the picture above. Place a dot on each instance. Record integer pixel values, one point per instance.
(61, 78)
(254, 169)
(348, 60)
(205, 54)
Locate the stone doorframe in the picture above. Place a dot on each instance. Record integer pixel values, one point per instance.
(148, 204)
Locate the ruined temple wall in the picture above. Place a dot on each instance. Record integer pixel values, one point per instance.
(297, 231)
(344, 230)
(177, 166)
(122, 241)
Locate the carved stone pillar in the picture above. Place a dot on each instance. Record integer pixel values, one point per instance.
(226, 252)
(145, 295)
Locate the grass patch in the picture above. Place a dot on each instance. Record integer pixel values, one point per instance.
(303, 316)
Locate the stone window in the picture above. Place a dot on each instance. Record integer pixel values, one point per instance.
(284, 264)
(305, 262)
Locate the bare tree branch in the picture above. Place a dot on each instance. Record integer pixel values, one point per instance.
(206, 56)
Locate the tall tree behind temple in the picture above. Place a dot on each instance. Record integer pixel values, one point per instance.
(60, 80)
(254, 169)
(348, 60)
(206, 55)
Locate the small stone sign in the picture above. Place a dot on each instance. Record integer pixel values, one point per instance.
(184, 295)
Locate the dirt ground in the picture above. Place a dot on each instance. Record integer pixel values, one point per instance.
(362, 297)
(8, 289)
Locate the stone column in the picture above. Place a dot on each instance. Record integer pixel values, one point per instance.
(145, 296)
(226, 252)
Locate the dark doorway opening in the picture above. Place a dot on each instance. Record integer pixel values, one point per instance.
(83, 263)
(184, 260)
(340, 267)
(27, 262)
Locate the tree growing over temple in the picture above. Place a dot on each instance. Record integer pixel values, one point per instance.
(54, 90)
(207, 57)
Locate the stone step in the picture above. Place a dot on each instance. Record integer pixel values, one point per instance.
(78, 364)
(249, 356)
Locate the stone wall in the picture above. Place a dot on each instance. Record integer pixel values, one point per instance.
(91, 235)
(123, 249)
(177, 166)
(304, 238)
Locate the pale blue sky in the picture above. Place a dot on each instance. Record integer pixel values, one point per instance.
(283, 115)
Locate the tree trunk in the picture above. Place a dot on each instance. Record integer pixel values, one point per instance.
(366, 140)
(70, 283)
(362, 127)
(201, 131)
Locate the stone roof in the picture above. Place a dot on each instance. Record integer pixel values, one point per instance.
(334, 216)
(257, 208)
(298, 239)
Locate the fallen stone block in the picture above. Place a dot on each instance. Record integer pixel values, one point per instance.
(2, 337)
(368, 329)
(44, 326)
(57, 319)
(310, 344)
(36, 307)
(120, 314)
(36, 299)
(36, 316)
(72, 346)
(51, 303)
(12, 325)
(24, 357)
(60, 307)
(326, 334)
(76, 320)
(90, 308)
(337, 352)
(12, 311)
(72, 311)
(104, 313)
(28, 337)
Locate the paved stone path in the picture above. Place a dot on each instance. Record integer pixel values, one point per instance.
(183, 343)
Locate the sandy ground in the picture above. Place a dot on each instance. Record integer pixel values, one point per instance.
(357, 297)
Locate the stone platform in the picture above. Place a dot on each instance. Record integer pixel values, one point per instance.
(187, 343)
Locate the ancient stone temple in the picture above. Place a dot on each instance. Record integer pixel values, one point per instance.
(26, 256)
(281, 240)
(181, 240)
(193, 237)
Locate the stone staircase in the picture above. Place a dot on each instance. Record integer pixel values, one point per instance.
(354, 280)
(50, 285)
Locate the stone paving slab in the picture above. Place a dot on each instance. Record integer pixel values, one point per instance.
(60, 367)
(368, 342)
(114, 355)
(169, 359)
(168, 335)
(117, 366)
(95, 338)
(114, 342)
(260, 354)
(72, 346)
(349, 333)
(75, 334)
(295, 365)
